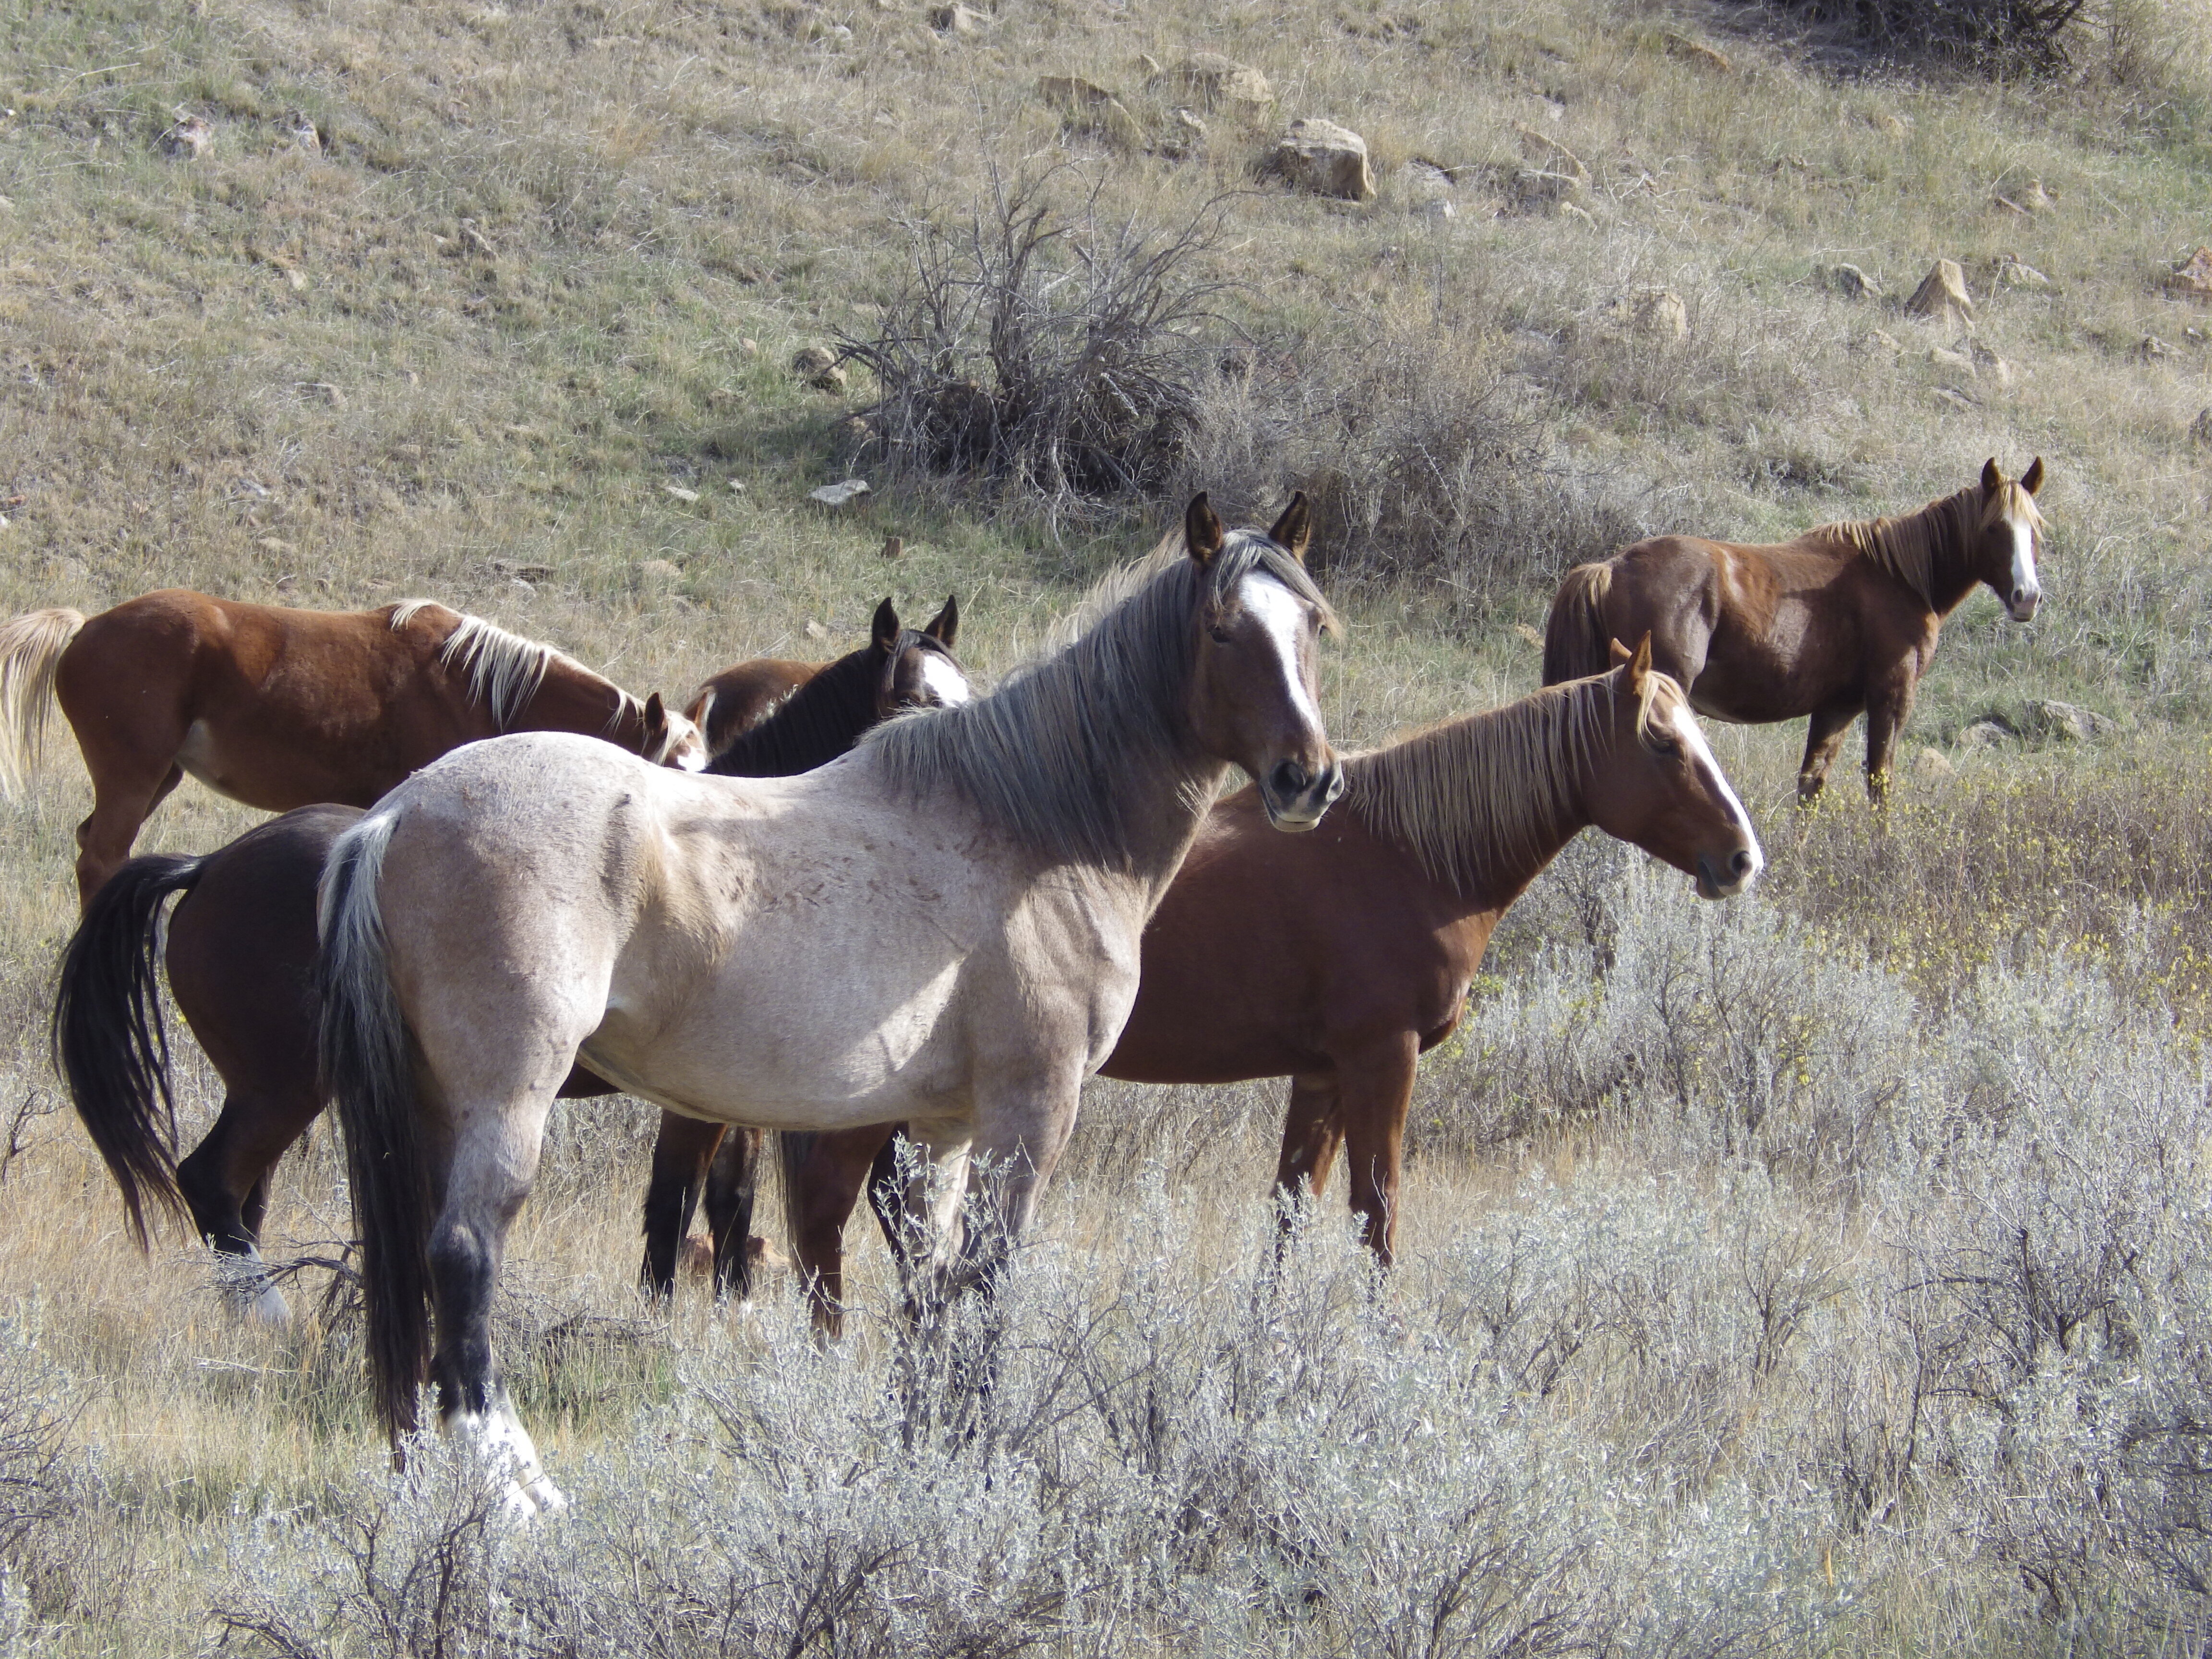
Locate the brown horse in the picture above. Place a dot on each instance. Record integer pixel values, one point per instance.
(1844, 618)
(278, 708)
(1397, 893)
(241, 952)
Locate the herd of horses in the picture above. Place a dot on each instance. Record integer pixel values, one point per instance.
(860, 905)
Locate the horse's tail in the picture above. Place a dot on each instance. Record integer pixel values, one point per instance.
(792, 1148)
(107, 1036)
(1576, 643)
(368, 1070)
(31, 647)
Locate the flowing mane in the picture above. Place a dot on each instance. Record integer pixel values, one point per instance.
(505, 670)
(1915, 547)
(1045, 756)
(1476, 797)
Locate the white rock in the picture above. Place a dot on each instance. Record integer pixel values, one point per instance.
(840, 494)
(1326, 159)
(680, 492)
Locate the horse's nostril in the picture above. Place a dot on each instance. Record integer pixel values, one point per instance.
(1740, 864)
(1289, 778)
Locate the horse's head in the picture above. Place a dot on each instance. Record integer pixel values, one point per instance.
(915, 667)
(1252, 691)
(2011, 538)
(671, 739)
(1661, 786)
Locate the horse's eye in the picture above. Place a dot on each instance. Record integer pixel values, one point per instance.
(1667, 748)
(1221, 635)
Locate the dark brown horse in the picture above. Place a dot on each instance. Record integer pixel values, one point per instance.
(1397, 894)
(241, 952)
(1844, 618)
(736, 700)
(278, 708)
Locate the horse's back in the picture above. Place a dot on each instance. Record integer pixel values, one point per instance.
(241, 944)
(736, 700)
(785, 952)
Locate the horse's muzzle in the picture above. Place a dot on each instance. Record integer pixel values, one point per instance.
(1720, 879)
(2021, 607)
(1296, 798)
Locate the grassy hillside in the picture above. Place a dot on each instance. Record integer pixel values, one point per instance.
(1818, 1273)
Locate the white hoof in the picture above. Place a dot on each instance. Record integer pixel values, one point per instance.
(498, 1437)
(254, 1297)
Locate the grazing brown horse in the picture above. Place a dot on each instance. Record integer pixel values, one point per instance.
(278, 708)
(1844, 618)
(241, 952)
(1397, 895)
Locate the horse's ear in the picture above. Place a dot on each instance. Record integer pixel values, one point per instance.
(944, 626)
(656, 720)
(883, 633)
(1201, 530)
(1639, 666)
(1620, 654)
(1992, 479)
(1294, 529)
(2032, 480)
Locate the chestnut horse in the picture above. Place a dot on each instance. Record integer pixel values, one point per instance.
(1844, 618)
(278, 708)
(941, 927)
(241, 952)
(1339, 958)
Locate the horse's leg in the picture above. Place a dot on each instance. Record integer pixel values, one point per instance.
(733, 1183)
(494, 1160)
(119, 810)
(1888, 706)
(681, 1154)
(1312, 1131)
(225, 1183)
(1824, 735)
(1374, 1086)
(828, 1185)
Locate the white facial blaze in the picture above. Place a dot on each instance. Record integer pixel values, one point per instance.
(2024, 582)
(944, 681)
(1693, 744)
(1283, 615)
(687, 745)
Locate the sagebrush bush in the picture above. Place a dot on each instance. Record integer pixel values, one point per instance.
(1046, 353)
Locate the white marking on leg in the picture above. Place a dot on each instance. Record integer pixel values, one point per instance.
(498, 1437)
(1693, 740)
(1283, 615)
(943, 681)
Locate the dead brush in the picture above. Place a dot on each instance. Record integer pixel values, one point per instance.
(1045, 356)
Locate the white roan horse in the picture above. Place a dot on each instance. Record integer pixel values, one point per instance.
(942, 927)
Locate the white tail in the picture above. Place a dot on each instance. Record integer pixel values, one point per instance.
(31, 647)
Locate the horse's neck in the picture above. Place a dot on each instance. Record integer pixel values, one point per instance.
(571, 698)
(816, 724)
(1484, 866)
(1949, 531)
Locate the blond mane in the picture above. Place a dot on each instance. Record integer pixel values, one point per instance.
(505, 670)
(1483, 796)
(1917, 547)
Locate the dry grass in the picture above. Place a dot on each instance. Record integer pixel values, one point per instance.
(549, 260)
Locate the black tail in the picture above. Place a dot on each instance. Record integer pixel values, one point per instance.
(792, 1148)
(1576, 643)
(107, 1035)
(366, 1067)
